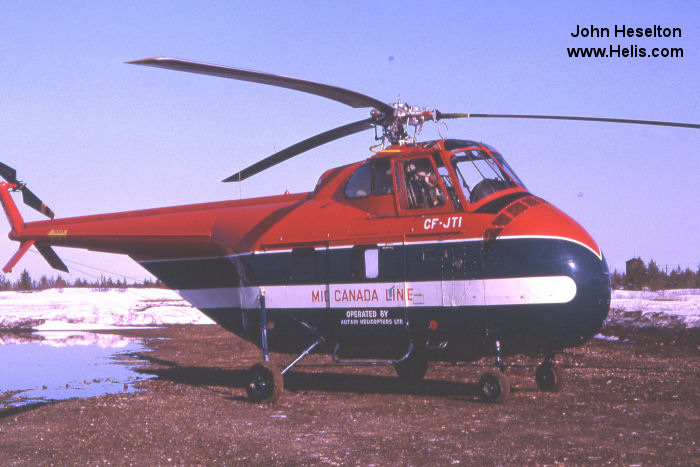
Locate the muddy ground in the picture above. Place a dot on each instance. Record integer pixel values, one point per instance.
(634, 402)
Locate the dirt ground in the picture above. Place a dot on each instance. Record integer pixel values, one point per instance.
(633, 402)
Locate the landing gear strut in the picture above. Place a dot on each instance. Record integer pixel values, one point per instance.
(549, 376)
(265, 381)
(495, 385)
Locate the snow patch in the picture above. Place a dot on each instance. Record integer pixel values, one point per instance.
(85, 309)
(675, 309)
(75, 309)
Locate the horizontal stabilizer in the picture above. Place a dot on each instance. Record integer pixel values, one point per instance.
(51, 257)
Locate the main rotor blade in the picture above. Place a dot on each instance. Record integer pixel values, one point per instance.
(303, 146)
(31, 200)
(8, 173)
(441, 116)
(345, 96)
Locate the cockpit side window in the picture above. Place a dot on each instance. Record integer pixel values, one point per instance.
(479, 174)
(383, 184)
(359, 184)
(419, 184)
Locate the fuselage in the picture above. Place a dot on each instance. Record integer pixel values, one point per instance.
(436, 244)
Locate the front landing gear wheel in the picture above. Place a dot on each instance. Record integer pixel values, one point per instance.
(265, 383)
(494, 387)
(549, 377)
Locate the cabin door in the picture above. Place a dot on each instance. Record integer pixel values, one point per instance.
(367, 302)
(455, 269)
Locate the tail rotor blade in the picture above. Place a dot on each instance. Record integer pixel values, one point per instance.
(31, 200)
(8, 173)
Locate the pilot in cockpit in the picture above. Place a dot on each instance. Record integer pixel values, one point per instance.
(422, 186)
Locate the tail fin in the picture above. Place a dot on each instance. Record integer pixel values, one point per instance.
(11, 211)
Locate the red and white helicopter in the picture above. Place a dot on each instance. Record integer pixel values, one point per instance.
(426, 251)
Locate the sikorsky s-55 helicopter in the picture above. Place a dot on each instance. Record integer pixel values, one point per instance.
(426, 251)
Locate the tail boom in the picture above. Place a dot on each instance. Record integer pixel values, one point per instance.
(146, 234)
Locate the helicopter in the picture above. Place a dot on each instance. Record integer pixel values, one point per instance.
(427, 251)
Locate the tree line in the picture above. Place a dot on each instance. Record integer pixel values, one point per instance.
(26, 282)
(644, 276)
(650, 276)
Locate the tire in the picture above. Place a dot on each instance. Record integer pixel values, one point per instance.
(549, 377)
(494, 387)
(265, 383)
(413, 368)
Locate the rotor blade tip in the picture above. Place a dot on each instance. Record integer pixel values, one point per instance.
(232, 178)
(146, 61)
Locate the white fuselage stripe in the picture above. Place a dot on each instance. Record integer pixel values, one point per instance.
(453, 293)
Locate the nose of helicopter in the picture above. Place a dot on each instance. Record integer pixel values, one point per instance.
(563, 247)
(589, 308)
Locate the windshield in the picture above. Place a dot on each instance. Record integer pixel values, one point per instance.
(482, 173)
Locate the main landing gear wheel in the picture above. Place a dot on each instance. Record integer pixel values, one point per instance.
(413, 368)
(494, 387)
(265, 383)
(549, 377)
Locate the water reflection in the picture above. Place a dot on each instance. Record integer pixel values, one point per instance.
(58, 365)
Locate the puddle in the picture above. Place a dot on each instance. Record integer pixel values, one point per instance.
(59, 365)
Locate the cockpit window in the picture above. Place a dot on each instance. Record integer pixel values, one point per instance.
(419, 182)
(383, 184)
(480, 174)
(360, 183)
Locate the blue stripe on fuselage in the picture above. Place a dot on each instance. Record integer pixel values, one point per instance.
(517, 257)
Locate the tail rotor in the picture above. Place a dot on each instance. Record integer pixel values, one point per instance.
(29, 198)
(17, 224)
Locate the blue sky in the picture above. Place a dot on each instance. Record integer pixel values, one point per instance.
(91, 134)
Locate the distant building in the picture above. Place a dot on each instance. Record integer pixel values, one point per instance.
(634, 266)
(635, 272)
